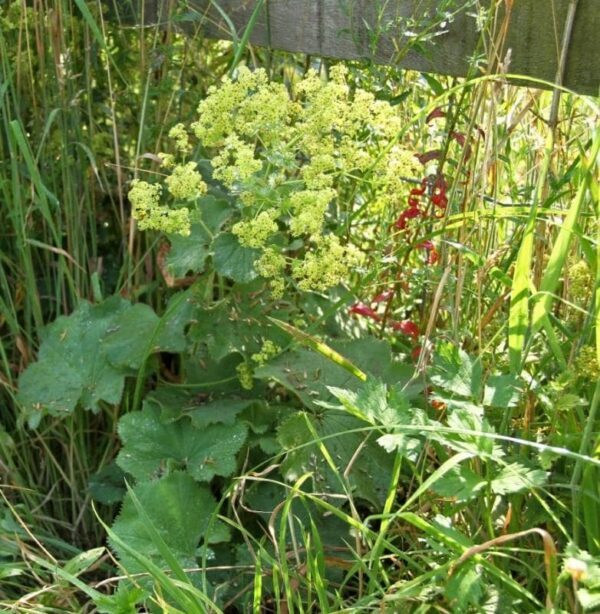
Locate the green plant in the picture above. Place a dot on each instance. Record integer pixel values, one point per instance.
(316, 411)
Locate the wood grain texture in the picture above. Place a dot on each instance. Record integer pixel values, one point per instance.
(345, 29)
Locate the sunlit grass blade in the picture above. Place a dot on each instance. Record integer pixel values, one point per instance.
(178, 587)
(560, 251)
(518, 318)
(322, 348)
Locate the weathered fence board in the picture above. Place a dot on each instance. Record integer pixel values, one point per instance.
(347, 29)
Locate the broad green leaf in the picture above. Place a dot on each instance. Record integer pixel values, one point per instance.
(189, 254)
(150, 446)
(224, 332)
(220, 411)
(464, 589)
(516, 477)
(323, 349)
(308, 374)
(179, 509)
(85, 357)
(174, 403)
(108, 484)
(232, 260)
(370, 469)
(461, 483)
(132, 337)
(501, 391)
(455, 371)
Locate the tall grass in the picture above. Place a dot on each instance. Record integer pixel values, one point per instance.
(81, 98)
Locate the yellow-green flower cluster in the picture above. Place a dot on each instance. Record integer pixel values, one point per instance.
(236, 162)
(586, 364)
(295, 158)
(309, 207)
(268, 350)
(581, 282)
(271, 265)
(328, 265)
(167, 160)
(179, 135)
(151, 215)
(245, 375)
(255, 232)
(185, 182)
(399, 163)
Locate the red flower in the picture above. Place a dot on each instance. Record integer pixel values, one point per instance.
(440, 200)
(437, 112)
(407, 327)
(429, 155)
(361, 309)
(434, 257)
(407, 214)
(384, 297)
(438, 405)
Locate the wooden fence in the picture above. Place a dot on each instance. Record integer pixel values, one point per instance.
(527, 37)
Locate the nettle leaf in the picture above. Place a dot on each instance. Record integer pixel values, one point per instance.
(454, 371)
(376, 404)
(401, 443)
(232, 260)
(189, 254)
(85, 357)
(371, 466)
(150, 446)
(515, 477)
(179, 509)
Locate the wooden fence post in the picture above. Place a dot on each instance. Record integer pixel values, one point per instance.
(379, 30)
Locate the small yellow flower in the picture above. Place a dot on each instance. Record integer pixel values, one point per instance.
(185, 182)
(182, 139)
(255, 233)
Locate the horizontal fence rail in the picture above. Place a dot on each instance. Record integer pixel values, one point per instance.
(525, 37)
